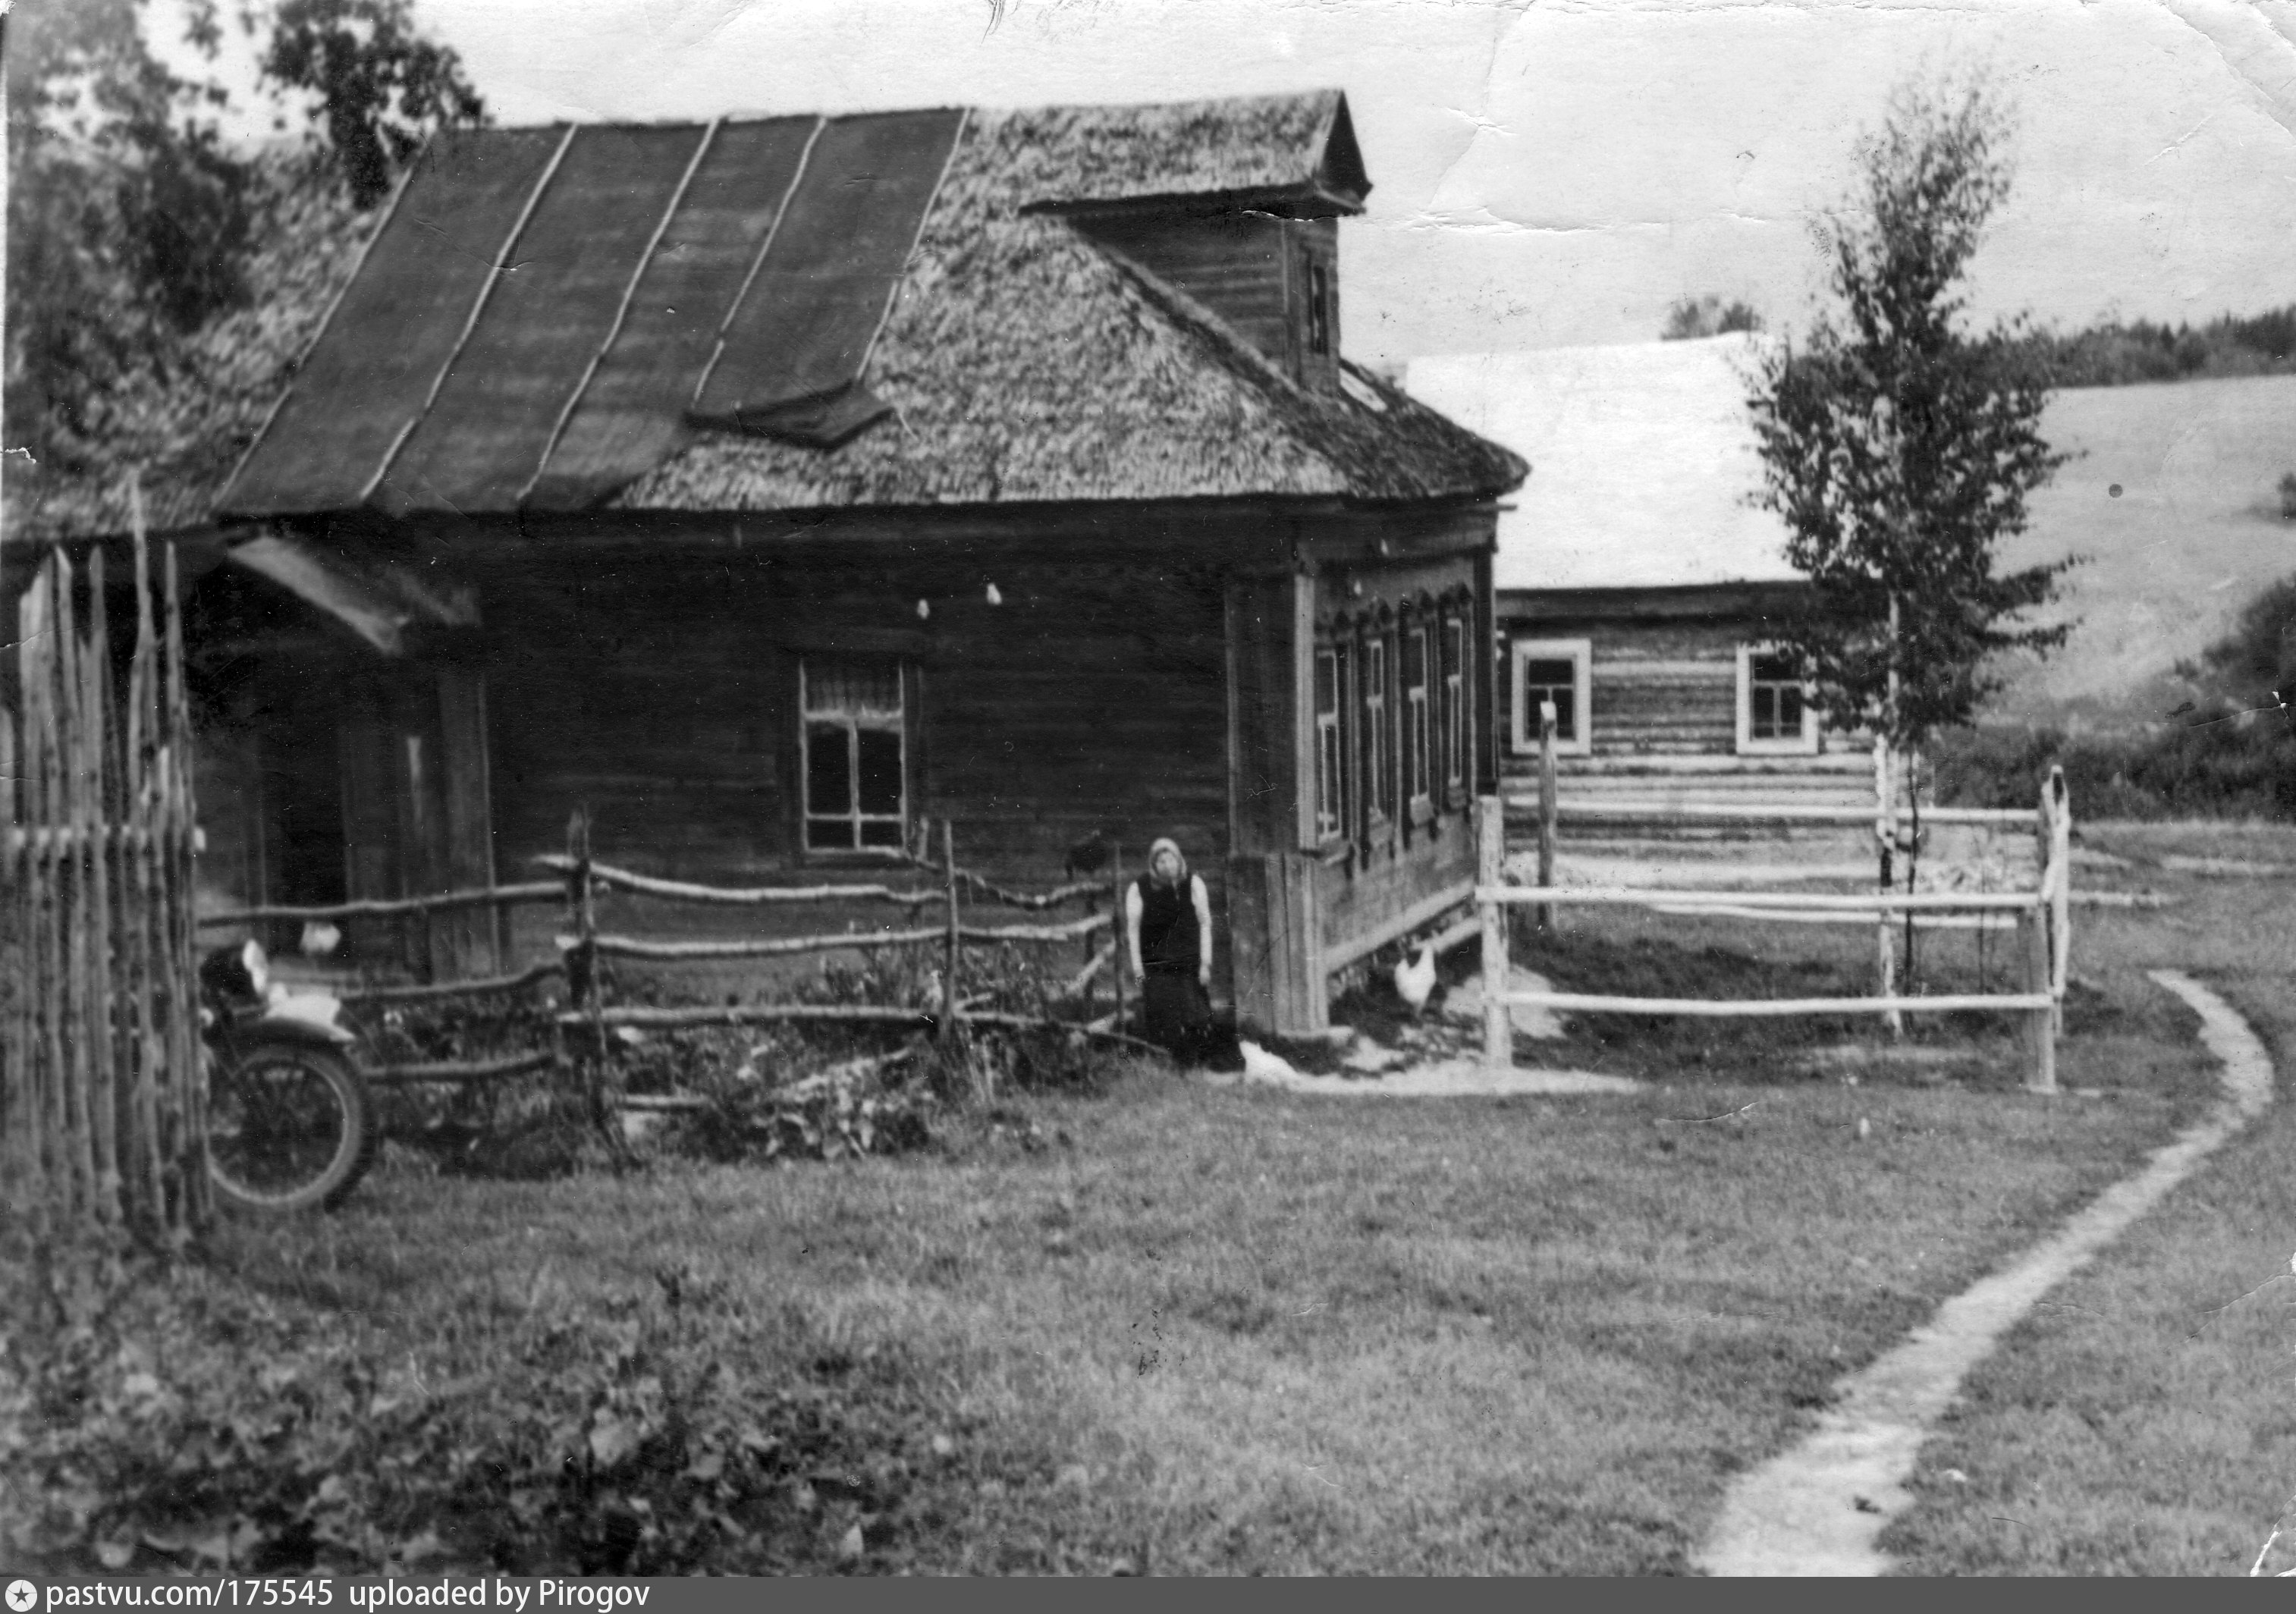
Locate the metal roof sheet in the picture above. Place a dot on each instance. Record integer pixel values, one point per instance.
(370, 375)
(803, 325)
(545, 315)
(630, 416)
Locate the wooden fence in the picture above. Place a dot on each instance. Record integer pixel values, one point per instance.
(2042, 915)
(101, 1122)
(583, 1044)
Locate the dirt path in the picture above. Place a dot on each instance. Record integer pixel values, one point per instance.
(1819, 1508)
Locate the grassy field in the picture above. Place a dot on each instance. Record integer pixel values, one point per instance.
(2174, 500)
(1162, 1327)
(2142, 1422)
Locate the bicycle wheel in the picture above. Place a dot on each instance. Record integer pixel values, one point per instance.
(289, 1128)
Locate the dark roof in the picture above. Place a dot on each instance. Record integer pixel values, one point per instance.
(799, 313)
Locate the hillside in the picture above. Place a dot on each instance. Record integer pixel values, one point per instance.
(2174, 499)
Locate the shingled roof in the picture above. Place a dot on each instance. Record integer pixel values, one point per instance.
(1647, 469)
(794, 313)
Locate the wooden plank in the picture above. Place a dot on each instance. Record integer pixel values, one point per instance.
(461, 1070)
(1897, 902)
(486, 897)
(1585, 1002)
(689, 951)
(1547, 805)
(1338, 956)
(468, 827)
(97, 809)
(434, 993)
(1498, 1025)
(1583, 811)
(646, 885)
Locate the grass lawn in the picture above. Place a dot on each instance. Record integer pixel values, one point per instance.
(1165, 1327)
(2140, 1421)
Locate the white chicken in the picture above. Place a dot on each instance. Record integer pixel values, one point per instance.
(1414, 978)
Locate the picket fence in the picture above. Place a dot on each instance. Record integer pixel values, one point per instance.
(102, 1124)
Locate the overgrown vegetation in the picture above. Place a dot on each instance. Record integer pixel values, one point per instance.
(2228, 750)
(2119, 352)
(795, 1091)
(1690, 318)
(160, 279)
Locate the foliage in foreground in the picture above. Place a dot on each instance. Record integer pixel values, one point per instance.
(795, 1091)
(267, 1440)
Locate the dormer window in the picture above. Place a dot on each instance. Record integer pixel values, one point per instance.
(1319, 309)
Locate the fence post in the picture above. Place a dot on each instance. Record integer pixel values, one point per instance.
(1490, 869)
(1885, 836)
(2061, 856)
(1116, 923)
(2040, 1024)
(949, 985)
(1547, 735)
(582, 982)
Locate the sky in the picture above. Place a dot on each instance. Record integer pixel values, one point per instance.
(1552, 173)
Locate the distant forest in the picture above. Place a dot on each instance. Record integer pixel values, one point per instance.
(2118, 354)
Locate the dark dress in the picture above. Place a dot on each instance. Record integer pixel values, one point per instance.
(1173, 1007)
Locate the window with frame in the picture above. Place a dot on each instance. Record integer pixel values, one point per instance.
(1774, 709)
(1378, 749)
(1331, 754)
(1418, 725)
(856, 755)
(1455, 705)
(1556, 670)
(1319, 309)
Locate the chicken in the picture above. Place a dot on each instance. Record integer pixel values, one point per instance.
(1414, 978)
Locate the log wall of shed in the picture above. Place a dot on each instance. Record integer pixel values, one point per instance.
(1090, 700)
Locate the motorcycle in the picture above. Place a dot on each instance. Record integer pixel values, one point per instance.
(291, 1126)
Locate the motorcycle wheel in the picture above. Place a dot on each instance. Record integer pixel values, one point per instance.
(289, 1128)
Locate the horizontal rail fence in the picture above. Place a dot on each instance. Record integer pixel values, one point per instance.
(2042, 915)
(101, 1102)
(584, 949)
(580, 878)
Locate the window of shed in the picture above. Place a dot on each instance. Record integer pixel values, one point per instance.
(1774, 709)
(1556, 670)
(1319, 309)
(856, 755)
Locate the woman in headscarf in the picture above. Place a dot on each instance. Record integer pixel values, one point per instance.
(1167, 925)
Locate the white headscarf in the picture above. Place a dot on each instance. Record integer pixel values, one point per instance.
(1164, 843)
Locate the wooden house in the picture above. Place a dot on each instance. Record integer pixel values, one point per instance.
(1635, 580)
(776, 488)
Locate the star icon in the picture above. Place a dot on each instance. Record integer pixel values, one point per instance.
(22, 1595)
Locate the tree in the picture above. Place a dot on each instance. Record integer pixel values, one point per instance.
(1900, 448)
(382, 86)
(138, 238)
(127, 220)
(1691, 318)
